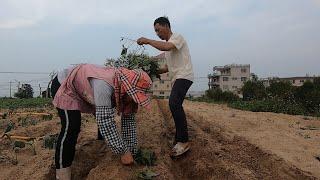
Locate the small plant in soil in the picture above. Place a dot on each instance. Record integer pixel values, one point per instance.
(47, 117)
(147, 174)
(307, 136)
(4, 115)
(50, 141)
(18, 144)
(26, 121)
(9, 127)
(145, 157)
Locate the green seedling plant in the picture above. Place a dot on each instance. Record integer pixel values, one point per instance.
(147, 174)
(19, 144)
(4, 115)
(9, 127)
(145, 157)
(26, 121)
(47, 117)
(49, 141)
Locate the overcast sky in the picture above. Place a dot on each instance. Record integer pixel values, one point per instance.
(276, 37)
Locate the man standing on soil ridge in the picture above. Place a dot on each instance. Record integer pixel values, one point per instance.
(179, 65)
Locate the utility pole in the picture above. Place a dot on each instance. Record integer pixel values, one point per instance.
(40, 90)
(10, 88)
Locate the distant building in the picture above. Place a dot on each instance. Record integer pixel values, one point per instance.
(295, 81)
(229, 77)
(162, 88)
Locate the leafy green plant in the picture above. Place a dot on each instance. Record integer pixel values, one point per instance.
(219, 96)
(47, 117)
(147, 174)
(33, 122)
(27, 121)
(253, 90)
(134, 61)
(9, 127)
(19, 144)
(26, 91)
(145, 157)
(50, 141)
(4, 115)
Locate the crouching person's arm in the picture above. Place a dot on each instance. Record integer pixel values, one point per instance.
(108, 129)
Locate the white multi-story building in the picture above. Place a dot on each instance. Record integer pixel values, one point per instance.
(229, 77)
(295, 81)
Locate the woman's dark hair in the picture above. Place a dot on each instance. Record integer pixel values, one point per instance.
(162, 21)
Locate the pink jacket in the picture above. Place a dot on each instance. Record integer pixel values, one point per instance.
(76, 93)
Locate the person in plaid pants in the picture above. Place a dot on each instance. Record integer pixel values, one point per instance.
(89, 88)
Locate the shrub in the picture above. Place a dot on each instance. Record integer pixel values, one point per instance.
(269, 105)
(26, 91)
(309, 96)
(220, 96)
(253, 90)
(280, 89)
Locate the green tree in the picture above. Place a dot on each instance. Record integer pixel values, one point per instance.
(220, 96)
(253, 90)
(316, 82)
(280, 89)
(309, 96)
(26, 91)
(254, 77)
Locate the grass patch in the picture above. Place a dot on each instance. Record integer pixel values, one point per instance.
(14, 103)
(276, 106)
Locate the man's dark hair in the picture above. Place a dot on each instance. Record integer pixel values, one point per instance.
(162, 21)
